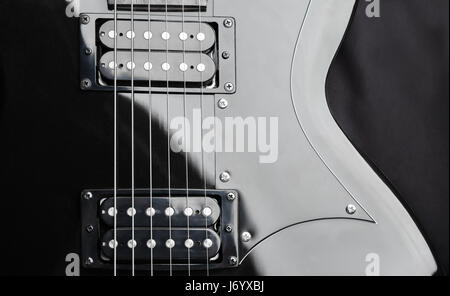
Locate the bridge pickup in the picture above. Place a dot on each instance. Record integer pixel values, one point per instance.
(160, 5)
(157, 42)
(161, 253)
(198, 68)
(159, 210)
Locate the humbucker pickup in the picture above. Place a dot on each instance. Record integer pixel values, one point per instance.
(160, 5)
(172, 67)
(197, 225)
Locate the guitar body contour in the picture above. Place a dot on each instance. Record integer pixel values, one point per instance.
(319, 209)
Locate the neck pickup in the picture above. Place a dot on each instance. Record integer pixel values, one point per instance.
(160, 5)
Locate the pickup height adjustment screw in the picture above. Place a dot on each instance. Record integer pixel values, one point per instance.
(88, 195)
(232, 260)
(225, 177)
(351, 209)
(231, 196)
(223, 103)
(226, 55)
(90, 228)
(229, 228)
(229, 87)
(228, 23)
(85, 19)
(86, 83)
(246, 236)
(89, 261)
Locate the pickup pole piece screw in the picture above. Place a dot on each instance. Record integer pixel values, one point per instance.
(85, 19)
(231, 196)
(226, 55)
(223, 103)
(228, 23)
(351, 209)
(225, 177)
(87, 195)
(90, 228)
(228, 228)
(89, 261)
(229, 86)
(86, 83)
(232, 260)
(246, 236)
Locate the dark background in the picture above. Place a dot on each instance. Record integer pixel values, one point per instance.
(387, 88)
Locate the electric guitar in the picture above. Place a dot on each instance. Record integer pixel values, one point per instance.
(194, 138)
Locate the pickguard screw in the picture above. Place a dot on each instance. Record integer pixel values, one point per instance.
(90, 228)
(228, 228)
(86, 83)
(228, 23)
(223, 103)
(226, 55)
(229, 86)
(89, 261)
(88, 195)
(231, 196)
(246, 236)
(232, 260)
(85, 19)
(351, 209)
(225, 177)
(88, 51)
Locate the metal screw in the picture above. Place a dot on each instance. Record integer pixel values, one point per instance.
(89, 261)
(229, 86)
(232, 260)
(88, 51)
(86, 83)
(85, 19)
(88, 195)
(231, 196)
(90, 228)
(246, 236)
(223, 103)
(228, 23)
(228, 228)
(351, 209)
(226, 55)
(225, 177)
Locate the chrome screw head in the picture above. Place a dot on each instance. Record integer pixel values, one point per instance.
(229, 87)
(228, 228)
(246, 236)
(226, 55)
(228, 23)
(225, 177)
(350, 209)
(89, 261)
(90, 228)
(88, 51)
(86, 83)
(223, 103)
(232, 260)
(88, 195)
(85, 19)
(231, 196)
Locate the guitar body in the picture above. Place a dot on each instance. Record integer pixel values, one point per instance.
(319, 209)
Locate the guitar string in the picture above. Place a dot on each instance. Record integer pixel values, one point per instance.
(185, 132)
(132, 142)
(168, 134)
(150, 110)
(115, 138)
(204, 170)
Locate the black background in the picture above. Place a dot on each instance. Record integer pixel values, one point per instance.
(388, 90)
